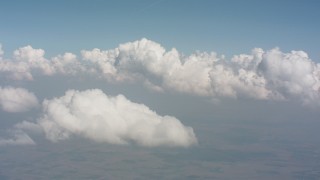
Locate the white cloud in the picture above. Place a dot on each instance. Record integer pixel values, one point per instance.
(228, 83)
(34, 59)
(149, 62)
(266, 75)
(104, 61)
(203, 74)
(28, 62)
(96, 116)
(271, 75)
(66, 64)
(292, 75)
(15, 70)
(17, 99)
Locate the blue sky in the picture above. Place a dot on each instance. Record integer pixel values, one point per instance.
(226, 27)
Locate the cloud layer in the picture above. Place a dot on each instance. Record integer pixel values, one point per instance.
(266, 75)
(17, 99)
(94, 115)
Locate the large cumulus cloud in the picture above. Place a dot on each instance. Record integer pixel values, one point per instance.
(266, 75)
(149, 62)
(94, 115)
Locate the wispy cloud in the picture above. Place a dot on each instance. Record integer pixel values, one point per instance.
(19, 138)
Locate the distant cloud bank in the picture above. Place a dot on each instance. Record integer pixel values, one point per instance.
(266, 75)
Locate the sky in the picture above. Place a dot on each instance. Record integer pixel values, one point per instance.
(159, 89)
(226, 27)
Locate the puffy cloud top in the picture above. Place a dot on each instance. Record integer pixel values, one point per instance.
(266, 75)
(28, 61)
(97, 116)
(292, 75)
(271, 75)
(17, 99)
